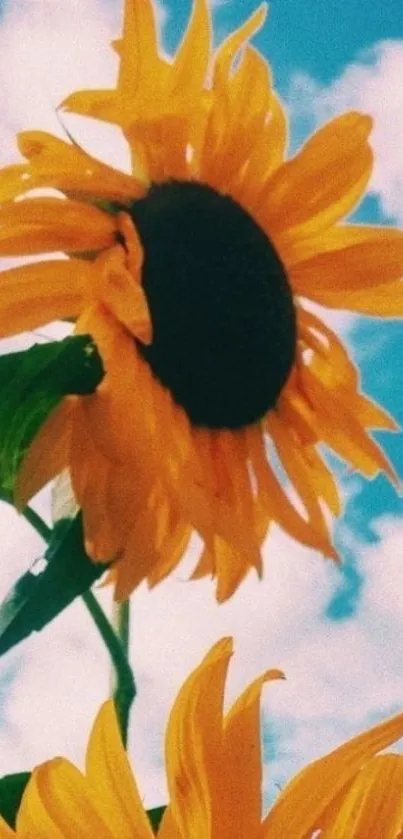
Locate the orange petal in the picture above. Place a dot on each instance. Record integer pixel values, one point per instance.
(39, 225)
(360, 267)
(322, 183)
(229, 48)
(299, 472)
(276, 502)
(297, 812)
(194, 746)
(122, 293)
(35, 294)
(383, 301)
(347, 437)
(373, 805)
(242, 738)
(48, 454)
(337, 238)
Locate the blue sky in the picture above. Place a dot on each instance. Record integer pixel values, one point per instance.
(333, 632)
(319, 37)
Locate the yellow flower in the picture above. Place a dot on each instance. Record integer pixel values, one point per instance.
(194, 276)
(214, 773)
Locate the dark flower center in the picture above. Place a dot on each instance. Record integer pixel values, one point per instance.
(224, 331)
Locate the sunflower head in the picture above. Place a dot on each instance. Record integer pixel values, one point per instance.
(224, 327)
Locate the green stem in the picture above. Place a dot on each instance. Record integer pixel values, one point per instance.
(117, 642)
(125, 689)
(125, 686)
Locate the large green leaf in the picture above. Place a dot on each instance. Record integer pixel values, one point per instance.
(32, 383)
(37, 598)
(11, 791)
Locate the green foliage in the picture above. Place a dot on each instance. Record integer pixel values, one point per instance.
(155, 816)
(37, 598)
(11, 791)
(32, 383)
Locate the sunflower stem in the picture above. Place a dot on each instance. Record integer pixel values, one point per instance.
(125, 686)
(116, 642)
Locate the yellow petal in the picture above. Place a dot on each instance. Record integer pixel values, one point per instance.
(189, 66)
(139, 60)
(373, 805)
(291, 408)
(141, 551)
(229, 48)
(102, 104)
(194, 747)
(338, 237)
(58, 804)
(347, 437)
(299, 472)
(299, 808)
(339, 369)
(122, 293)
(239, 107)
(383, 301)
(323, 182)
(103, 537)
(64, 166)
(231, 564)
(266, 155)
(108, 772)
(242, 739)
(39, 225)
(168, 828)
(372, 415)
(35, 294)
(172, 552)
(278, 505)
(249, 95)
(356, 268)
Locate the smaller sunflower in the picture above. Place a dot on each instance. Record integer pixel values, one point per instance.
(195, 275)
(214, 773)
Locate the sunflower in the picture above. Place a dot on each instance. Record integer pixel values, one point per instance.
(195, 276)
(214, 773)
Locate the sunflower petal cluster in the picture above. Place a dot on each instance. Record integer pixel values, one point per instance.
(212, 118)
(214, 774)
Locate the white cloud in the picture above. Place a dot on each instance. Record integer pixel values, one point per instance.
(340, 677)
(372, 84)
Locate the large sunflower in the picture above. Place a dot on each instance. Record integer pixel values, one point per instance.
(194, 275)
(214, 773)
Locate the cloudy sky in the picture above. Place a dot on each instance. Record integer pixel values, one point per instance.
(336, 633)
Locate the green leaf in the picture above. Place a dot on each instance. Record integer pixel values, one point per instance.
(11, 791)
(155, 816)
(37, 598)
(32, 383)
